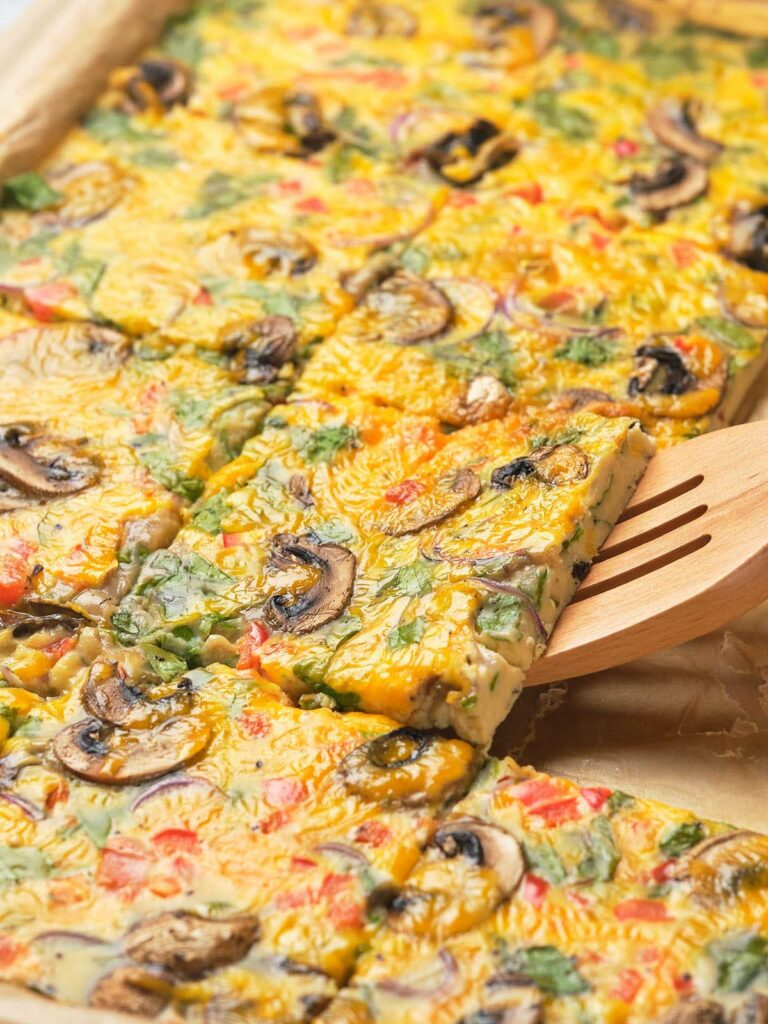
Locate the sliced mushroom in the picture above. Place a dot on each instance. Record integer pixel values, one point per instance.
(748, 238)
(754, 1010)
(36, 468)
(678, 180)
(346, 1009)
(447, 494)
(284, 252)
(133, 990)
(376, 21)
(113, 756)
(273, 120)
(299, 489)
(23, 624)
(695, 1011)
(89, 191)
(63, 350)
(406, 309)
(722, 867)
(486, 398)
(157, 83)
(484, 845)
(326, 599)
(660, 370)
(189, 945)
(107, 696)
(581, 398)
(494, 21)
(674, 124)
(378, 268)
(507, 999)
(462, 158)
(554, 464)
(409, 766)
(261, 348)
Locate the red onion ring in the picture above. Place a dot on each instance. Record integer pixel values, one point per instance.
(32, 811)
(167, 785)
(81, 938)
(508, 588)
(521, 312)
(406, 991)
(342, 850)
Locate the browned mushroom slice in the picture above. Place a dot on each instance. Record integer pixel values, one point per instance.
(374, 21)
(378, 268)
(696, 1011)
(189, 945)
(507, 999)
(748, 238)
(36, 468)
(677, 181)
(89, 190)
(411, 767)
(494, 21)
(674, 124)
(554, 464)
(112, 756)
(660, 370)
(462, 158)
(581, 398)
(275, 121)
(285, 252)
(133, 990)
(725, 866)
(326, 599)
(109, 697)
(447, 494)
(406, 309)
(260, 347)
(62, 350)
(346, 1009)
(467, 871)
(486, 398)
(754, 1010)
(157, 83)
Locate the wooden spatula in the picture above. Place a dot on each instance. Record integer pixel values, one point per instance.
(689, 555)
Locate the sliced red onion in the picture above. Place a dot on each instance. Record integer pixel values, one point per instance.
(521, 313)
(76, 938)
(31, 810)
(168, 785)
(397, 128)
(508, 588)
(401, 988)
(342, 850)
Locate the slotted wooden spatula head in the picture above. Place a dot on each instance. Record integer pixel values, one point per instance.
(689, 555)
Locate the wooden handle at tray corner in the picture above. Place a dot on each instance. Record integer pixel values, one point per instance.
(54, 61)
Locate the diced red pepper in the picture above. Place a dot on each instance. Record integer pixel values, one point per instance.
(59, 648)
(596, 796)
(291, 187)
(626, 147)
(124, 866)
(274, 821)
(285, 792)
(42, 299)
(641, 910)
(535, 889)
(684, 254)
(683, 984)
(627, 985)
(14, 569)
(404, 492)
(663, 872)
(165, 886)
(312, 204)
(600, 242)
(176, 840)
(233, 540)
(373, 833)
(346, 914)
(303, 862)
(460, 199)
(249, 644)
(557, 300)
(9, 950)
(531, 192)
(255, 723)
(203, 298)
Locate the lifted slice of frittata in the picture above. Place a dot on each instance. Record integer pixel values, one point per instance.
(372, 559)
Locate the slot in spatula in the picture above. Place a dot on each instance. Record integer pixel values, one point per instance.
(689, 555)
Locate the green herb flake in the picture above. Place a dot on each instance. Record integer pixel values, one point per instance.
(23, 862)
(168, 666)
(414, 580)
(209, 516)
(407, 633)
(30, 191)
(547, 107)
(682, 838)
(500, 618)
(115, 126)
(96, 823)
(554, 973)
(545, 861)
(602, 854)
(738, 960)
(726, 331)
(325, 443)
(587, 350)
